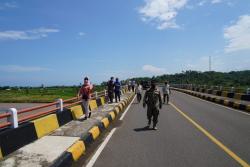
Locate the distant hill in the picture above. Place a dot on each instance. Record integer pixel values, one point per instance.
(233, 78)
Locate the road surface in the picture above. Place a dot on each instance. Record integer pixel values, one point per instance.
(191, 132)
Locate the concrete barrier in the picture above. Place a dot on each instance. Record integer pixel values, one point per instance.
(14, 140)
(77, 150)
(230, 103)
(77, 111)
(45, 125)
(92, 105)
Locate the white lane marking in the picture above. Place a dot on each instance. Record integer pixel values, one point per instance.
(124, 113)
(105, 142)
(100, 149)
(242, 112)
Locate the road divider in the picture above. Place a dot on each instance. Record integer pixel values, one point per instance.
(237, 104)
(77, 150)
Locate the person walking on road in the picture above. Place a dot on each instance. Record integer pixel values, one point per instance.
(166, 92)
(111, 89)
(152, 99)
(138, 91)
(133, 85)
(85, 94)
(129, 85)
(117, 90)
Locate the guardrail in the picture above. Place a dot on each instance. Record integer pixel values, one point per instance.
(12, 114)
(220, 88)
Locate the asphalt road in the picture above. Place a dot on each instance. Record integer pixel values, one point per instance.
(178, 142)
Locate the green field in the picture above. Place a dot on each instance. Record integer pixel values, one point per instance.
(38, 95)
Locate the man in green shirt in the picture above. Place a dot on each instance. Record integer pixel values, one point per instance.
(152, 99)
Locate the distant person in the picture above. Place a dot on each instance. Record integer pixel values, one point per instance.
(85, 94)
(111, 89)
(152, 99)
(138, 91)
(166, 92)
(133, 85)
(129, 85)
(117, 90)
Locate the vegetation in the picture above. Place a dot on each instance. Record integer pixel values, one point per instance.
(237, 79)
(39, 94)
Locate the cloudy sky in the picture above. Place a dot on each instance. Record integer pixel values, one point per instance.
(59, 42)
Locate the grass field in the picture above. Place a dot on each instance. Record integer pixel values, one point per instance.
(39, 95)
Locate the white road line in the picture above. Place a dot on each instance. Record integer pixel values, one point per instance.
(242, 112)
(124, 113)
(100, 149)
(105, 142)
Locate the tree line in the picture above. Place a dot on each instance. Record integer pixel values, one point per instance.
(227, 79)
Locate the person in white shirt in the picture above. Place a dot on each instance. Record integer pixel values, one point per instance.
(166, 92)
(138, 91)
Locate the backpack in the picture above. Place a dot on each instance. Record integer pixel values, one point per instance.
(85, 93)
(117, 86)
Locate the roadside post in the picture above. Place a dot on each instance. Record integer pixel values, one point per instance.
(59, 105)
(13, 118)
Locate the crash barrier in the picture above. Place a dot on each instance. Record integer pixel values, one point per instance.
(217, 90)
(23, 131)
(230, 103)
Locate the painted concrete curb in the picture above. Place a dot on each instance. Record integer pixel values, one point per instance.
(218, 100)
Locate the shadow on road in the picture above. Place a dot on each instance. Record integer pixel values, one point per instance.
(146, 128)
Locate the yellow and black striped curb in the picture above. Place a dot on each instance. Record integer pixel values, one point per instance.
(28, 132)
(238, 96)
(78, 149)
(229, 103)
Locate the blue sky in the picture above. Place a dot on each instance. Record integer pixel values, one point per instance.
(59, 42)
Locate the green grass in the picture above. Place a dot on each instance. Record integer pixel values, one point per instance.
(39, 95)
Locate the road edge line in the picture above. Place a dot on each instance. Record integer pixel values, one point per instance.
(107, 139)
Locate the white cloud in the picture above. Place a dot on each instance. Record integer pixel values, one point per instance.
(7, 5)
(216, 1)
(153, 69)
(162, 12)
(81, 33)
(17, 68)
(27, 35)
(213, 2)
(201, 3)
(238, 35)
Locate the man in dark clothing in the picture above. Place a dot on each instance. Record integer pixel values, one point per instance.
(152, 99)
(117, 90)
(133, 85)
(111, 89)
